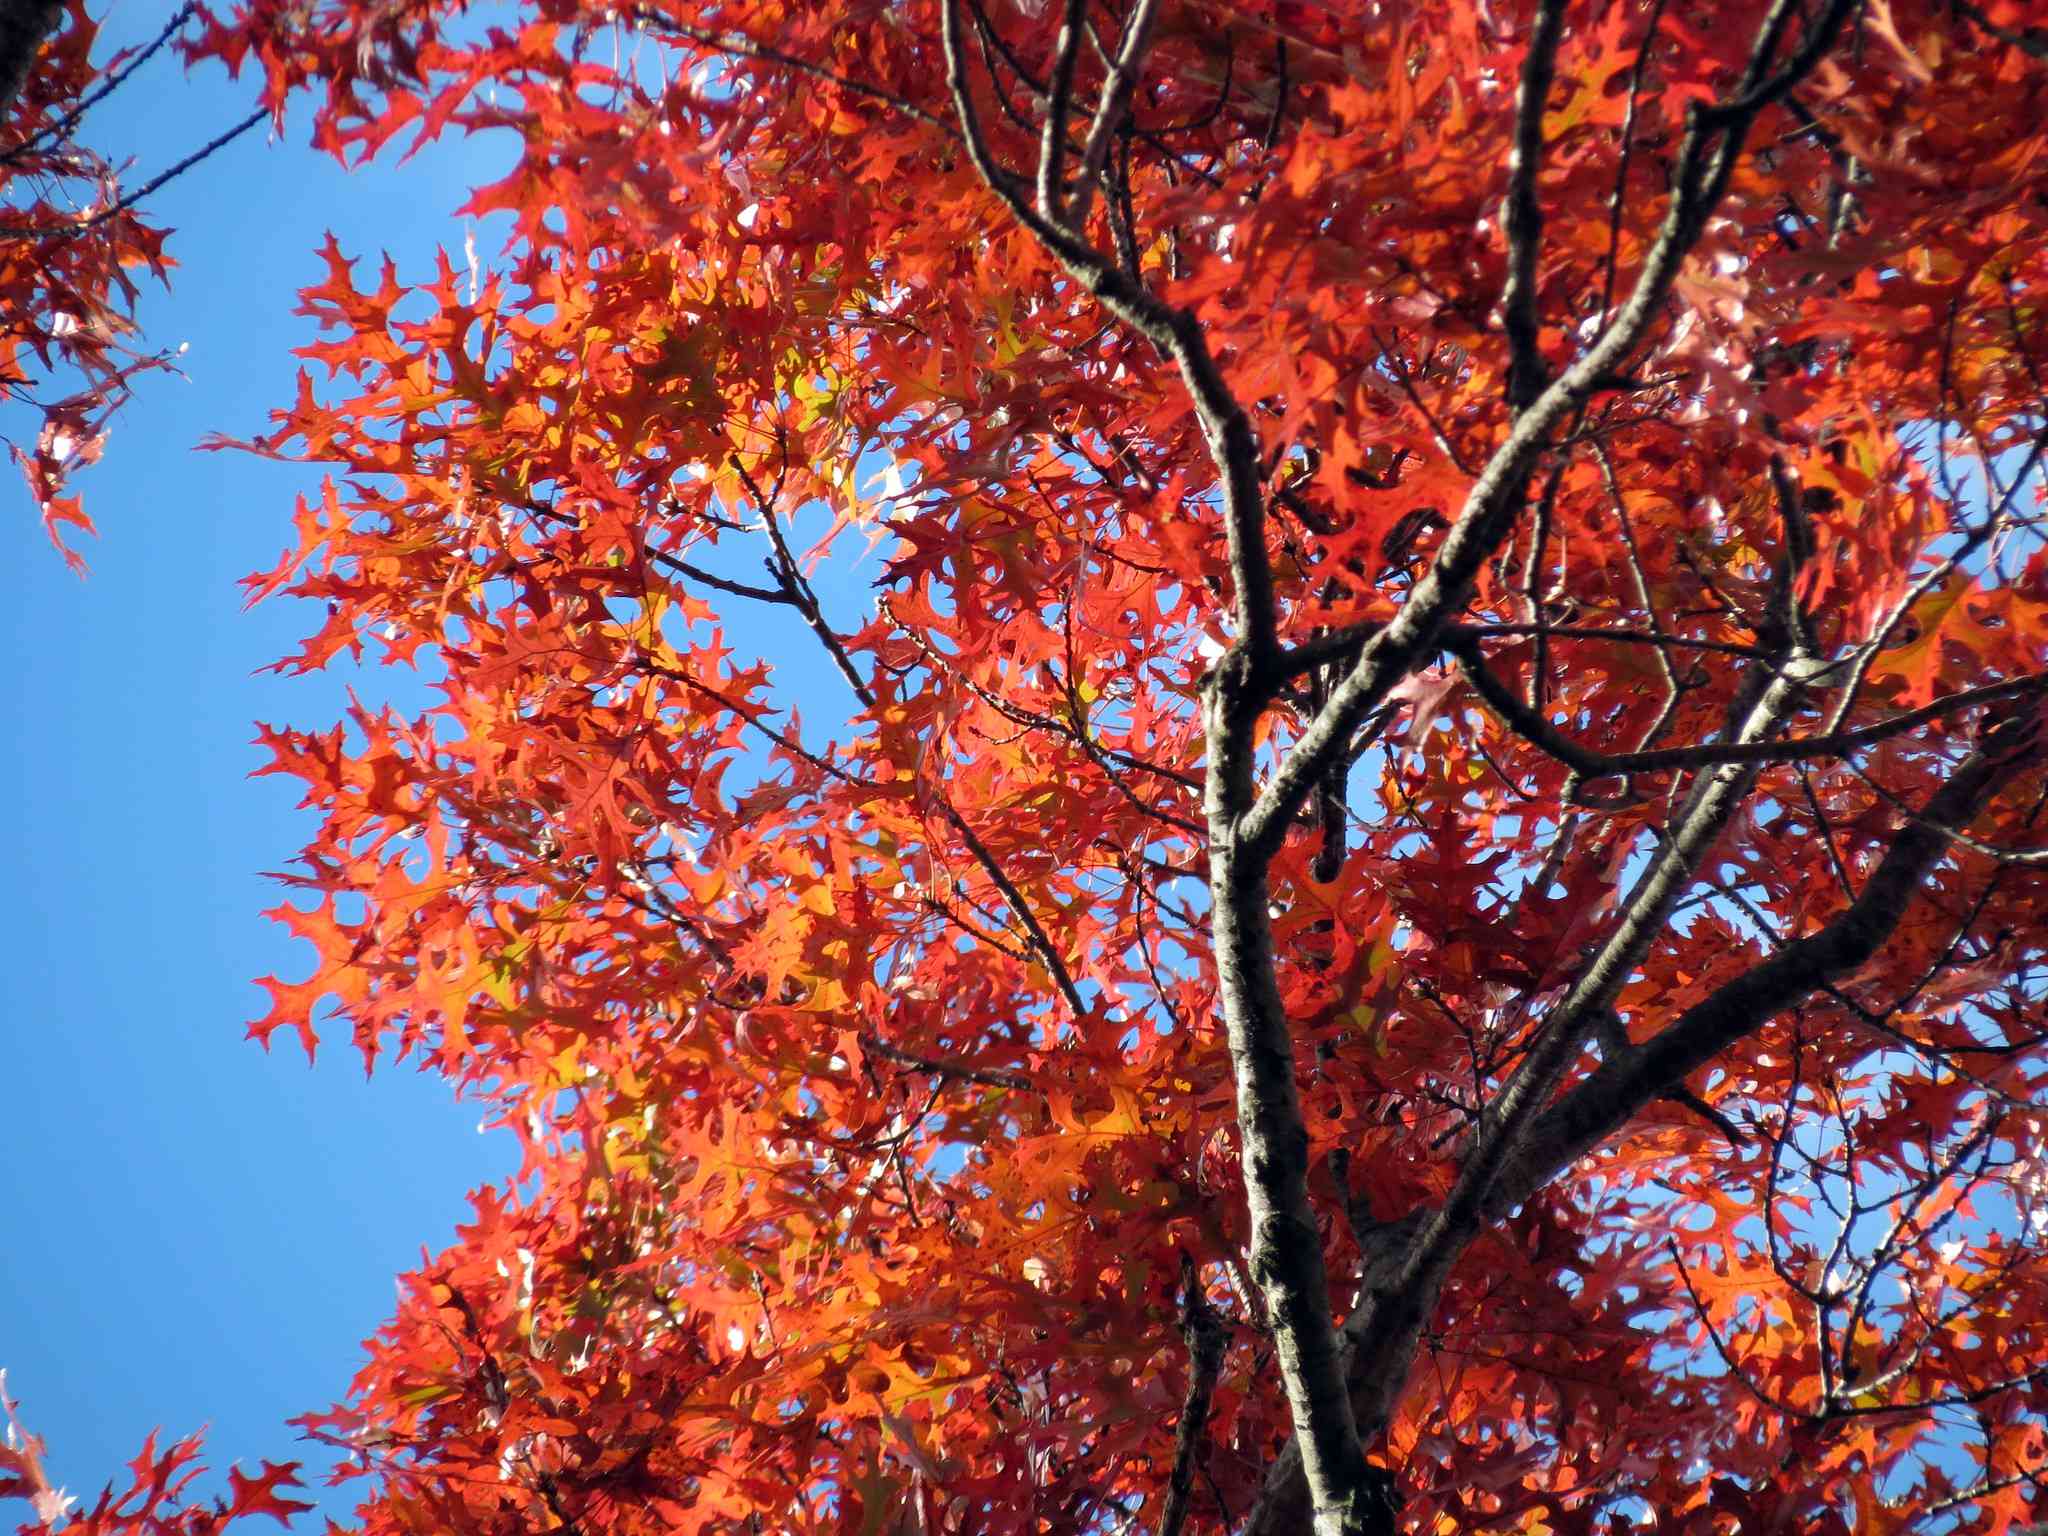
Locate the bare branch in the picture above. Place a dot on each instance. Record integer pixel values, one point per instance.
(28, 16)
(955, 1071)
(1052, 145)
(128, 200)
(1895, 618)
(1533, 728)
(1207, 1336)
(1618, 199)
(1522, 215)
(1113, 103)
(1706, 159)
(1227, 431)
(2032, 41)
(1507, 1120)
(1606, 1100)
(739, 45)
(1041, 942)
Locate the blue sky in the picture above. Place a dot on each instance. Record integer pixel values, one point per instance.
(193, 1232)
(199, 1233)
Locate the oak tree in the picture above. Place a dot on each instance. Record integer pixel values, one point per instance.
(1421, 905)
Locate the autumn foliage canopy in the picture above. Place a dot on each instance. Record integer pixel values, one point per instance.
(1198, 767)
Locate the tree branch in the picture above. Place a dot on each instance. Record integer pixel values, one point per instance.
(1706, 159)
(1225, 428)
(1207, 1336)
(1286, 1256)
(1607, 1099)
(1538, 732)
(1113, 103)
(739, 45)
(11, 82)
(127, 201)
(1522, 214)
(1645, 911)
(1052, 144)
(1015, 1082)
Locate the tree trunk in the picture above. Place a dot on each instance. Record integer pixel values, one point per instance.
(23, 26)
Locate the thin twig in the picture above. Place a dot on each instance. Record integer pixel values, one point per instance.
(128, 201)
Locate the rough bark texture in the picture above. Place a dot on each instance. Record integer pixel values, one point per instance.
(24, 24)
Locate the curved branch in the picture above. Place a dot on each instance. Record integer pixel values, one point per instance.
(1538, 732)
(1707, 157)
(1610, 1097)
(1208, 1337)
